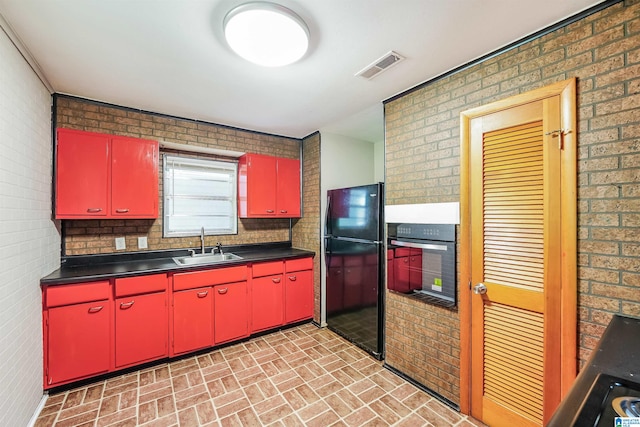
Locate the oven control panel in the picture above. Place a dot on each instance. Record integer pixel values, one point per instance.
(441, 232)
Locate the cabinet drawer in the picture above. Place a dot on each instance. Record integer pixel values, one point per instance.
(267, 269)
(141, 285)
(298, 264)
(400, 252)
(77, 293)
(218, 276)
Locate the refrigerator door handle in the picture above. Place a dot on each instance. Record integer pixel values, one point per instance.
(327, 252)
(327, 224)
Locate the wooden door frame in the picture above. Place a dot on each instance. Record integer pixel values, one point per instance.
(567, 91)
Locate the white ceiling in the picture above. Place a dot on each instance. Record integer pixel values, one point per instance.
(169, 56)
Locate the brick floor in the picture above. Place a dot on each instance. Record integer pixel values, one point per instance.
(303, 376)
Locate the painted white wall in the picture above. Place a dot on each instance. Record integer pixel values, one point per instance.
(378, 161)
(29, 240)
(344, 162)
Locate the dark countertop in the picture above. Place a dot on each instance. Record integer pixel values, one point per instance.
(617, 355)
(78, 269)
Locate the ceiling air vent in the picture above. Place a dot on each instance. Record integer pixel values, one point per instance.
(379, 65)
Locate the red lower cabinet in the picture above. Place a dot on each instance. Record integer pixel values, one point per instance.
(266, 303)
(77, 331)
(141, 328)
(231, 312)
(208, 307)
(267, 300)
(103, 326)
(192, 320)
(407, 269)
(78, 342)
(298, 291)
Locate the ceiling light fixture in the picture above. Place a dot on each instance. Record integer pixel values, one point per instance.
(266, 34)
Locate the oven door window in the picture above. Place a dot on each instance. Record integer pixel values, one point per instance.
(425, 270)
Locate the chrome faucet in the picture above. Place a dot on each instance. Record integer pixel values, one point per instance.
(202, 240)
(218, 248)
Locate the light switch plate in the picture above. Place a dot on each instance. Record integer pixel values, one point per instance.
(120, 243)
(142, 242)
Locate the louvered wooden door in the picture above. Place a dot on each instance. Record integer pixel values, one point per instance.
(515, 228)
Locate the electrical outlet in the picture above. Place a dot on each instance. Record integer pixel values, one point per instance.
(142, 242)
(120, 243)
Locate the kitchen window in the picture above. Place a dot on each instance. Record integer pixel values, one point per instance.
(199, 193)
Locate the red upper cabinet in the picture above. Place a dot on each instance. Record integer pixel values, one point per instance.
(104, 176)
(82, 174)
(268, 187)
(288, 188)
(134, 178)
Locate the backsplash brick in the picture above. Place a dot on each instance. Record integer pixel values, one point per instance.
(98, 236)
(422, 166)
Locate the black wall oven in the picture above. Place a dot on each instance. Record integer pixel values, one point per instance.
(421, 261)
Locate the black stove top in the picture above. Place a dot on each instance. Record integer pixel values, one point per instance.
(609, 380)
(609, 397)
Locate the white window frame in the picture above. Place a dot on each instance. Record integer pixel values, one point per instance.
(223, 174)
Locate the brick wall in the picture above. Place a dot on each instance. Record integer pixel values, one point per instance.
(422, 165)
(98, 236)
(29, 240)
(306, 230)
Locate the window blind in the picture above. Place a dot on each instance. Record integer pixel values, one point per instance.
(199, 193)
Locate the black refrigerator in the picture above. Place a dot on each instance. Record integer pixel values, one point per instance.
(353, 242)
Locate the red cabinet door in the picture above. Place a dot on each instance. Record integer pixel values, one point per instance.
(268, 187)
(82, 163)
(260, 186)
(231, 314)
(288, 188)
(78, 342)
(266, 302)
(141, 331)
(298, 296)
(134, 178)
(192, 320)
(401, 269)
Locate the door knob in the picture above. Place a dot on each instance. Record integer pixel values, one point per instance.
(480, 289)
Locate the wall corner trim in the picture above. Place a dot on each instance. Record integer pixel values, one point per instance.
(24, 51)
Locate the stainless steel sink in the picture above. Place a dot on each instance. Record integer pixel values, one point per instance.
(205, 259)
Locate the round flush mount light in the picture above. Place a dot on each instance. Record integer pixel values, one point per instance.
(266, 34)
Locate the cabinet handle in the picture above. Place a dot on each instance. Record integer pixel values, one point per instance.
(93, 210)
(283, 211)
(270, 211)
(276, 280)
(122, 210)
(95, 309)
(202, 294)
(126, 305)
(406, 260)
(223, 291)
(293, 278)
